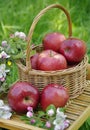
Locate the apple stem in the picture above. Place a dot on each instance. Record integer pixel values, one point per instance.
(51, 54)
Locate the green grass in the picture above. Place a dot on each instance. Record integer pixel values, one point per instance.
(17, 15)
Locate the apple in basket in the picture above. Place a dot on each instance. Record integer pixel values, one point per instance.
(73, 49)
(33, 60)
(53, 41)
(21, 95)
(54, 94)
(49, 60)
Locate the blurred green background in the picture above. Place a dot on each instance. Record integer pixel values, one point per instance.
(17, 15)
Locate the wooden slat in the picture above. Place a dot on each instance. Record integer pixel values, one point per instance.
(80, 104)
(80, 120)
(73, 111)
(15, 125)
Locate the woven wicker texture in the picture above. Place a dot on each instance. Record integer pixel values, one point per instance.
(73, 78)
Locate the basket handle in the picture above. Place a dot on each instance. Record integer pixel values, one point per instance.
(35, 21)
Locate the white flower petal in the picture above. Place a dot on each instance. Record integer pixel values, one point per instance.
(3, 71)
(17, 34)
(7, 71)
(50, 112)
(4, 43)
(57, 127)
(4, 55)
(6, 115)
(0, 56)
(1, 75)
(2, 66)
(5, 108)
(8, 56)
(1, 113)
(2, 79)
(22, 35)
(1, 103)
(60, 114)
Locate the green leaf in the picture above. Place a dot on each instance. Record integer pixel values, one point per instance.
(86, 125)
(62, 109)
(24, 117)
(41, 113)
(83, 127)
(39, 123)
(51, 107)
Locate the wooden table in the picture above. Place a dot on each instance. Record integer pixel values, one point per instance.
(77, 111)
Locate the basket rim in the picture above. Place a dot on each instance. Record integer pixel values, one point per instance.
(76, 68)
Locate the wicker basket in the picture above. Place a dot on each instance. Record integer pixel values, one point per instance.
(73, 78)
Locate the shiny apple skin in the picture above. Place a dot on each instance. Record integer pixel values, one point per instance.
(33, 60)
(21, 95)
(50, 60)
(54, 94)
(53, 41)
(73, 49)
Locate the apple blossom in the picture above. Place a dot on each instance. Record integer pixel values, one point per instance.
(41, 118)
(5, 110)
(48, 124)
(60, 122)
(4, 55)
(4, 44)
(60, 114)
(50, 112)
(1, 103)
(62, 125)
(66, 123)
(30, 109)
(3, 71)
(5, 115)
(29, 114)
(33, 121)
(2, 79)
(9, 49)
(12, 35)
(20, 35)
(16, 34)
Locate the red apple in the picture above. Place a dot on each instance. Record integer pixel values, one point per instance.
(33, 60)
(21, 95)
(53, 41)
(54, 94)
(49, 60)
(73, 49)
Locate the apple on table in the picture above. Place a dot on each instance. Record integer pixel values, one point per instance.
(22, 95)
(54, 94)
